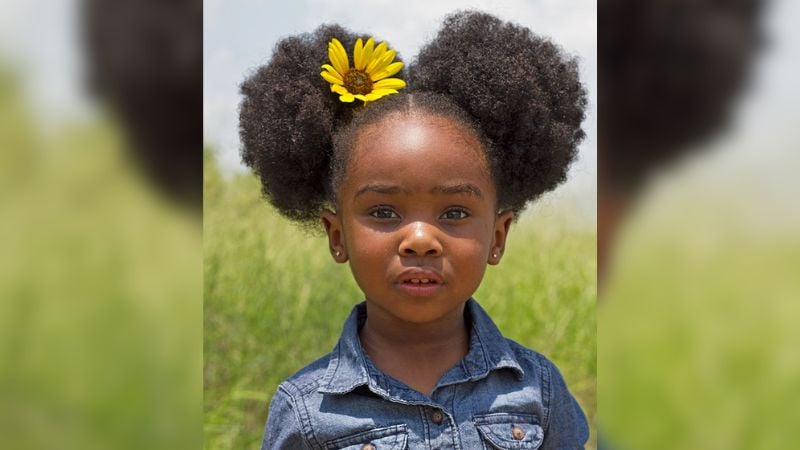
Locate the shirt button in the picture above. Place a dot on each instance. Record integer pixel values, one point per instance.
(517, 433)
(437, 417)
(368, 446)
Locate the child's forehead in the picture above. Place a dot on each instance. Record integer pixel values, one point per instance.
(418, 154)
(416, 140)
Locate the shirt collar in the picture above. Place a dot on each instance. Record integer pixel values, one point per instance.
(349, 368)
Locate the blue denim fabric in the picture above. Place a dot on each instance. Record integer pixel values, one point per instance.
(501, 395)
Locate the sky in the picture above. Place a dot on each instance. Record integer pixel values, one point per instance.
(239, 37)
(40, 39)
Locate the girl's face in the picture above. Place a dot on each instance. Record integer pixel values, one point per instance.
(417, 216)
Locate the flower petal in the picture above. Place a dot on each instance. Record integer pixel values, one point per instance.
(390, 70)
(332, 73)
(338, 56)
(383, 62)
(343, 61)
(332, 70)
(339, 89)
(347, 98)
(361, 97)
(358, 54)
(331, 78)
(341, 52)
(366, 56)
(377, 54)
(333, 55)
(389, 83)
(375, 95)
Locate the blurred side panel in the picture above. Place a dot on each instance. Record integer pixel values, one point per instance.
(100, 238)
(699, 224)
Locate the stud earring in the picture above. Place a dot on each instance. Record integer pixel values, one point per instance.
(494, 255)
(338, 253)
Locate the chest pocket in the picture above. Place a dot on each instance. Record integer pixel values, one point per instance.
(387, 438)
(509, 431)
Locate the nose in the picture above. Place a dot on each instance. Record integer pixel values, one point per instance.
(420, 239)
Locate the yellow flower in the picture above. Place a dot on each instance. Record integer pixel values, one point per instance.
(368, 78)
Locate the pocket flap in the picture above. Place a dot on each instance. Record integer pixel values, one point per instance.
(510, 431)
(394, 437)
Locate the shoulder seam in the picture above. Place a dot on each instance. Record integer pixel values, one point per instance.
(298, 380)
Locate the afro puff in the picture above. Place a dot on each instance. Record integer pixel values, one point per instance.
(519, 88)
(287, 120)
(516, 91)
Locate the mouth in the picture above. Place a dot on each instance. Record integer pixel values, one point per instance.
(420, 282)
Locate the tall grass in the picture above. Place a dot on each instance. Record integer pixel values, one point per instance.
(275, 301)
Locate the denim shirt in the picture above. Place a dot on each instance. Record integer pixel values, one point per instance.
(500, 395)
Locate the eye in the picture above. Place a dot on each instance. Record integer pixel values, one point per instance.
(383, 212)
(455, 214)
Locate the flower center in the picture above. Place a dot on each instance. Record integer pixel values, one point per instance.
(357, 82)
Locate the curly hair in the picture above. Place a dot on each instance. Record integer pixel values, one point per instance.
(518, 92)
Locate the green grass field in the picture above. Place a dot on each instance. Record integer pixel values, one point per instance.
(699, 323)
(274, 301)
(100, 291)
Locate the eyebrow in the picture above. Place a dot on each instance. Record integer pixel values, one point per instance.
(462, 188)
(391, 189)
(388, 189)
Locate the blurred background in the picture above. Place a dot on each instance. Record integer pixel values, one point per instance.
(698, 219)
(274, 301)
(100, 232)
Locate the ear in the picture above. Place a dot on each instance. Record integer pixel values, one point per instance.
(502, 224)
(333, 227)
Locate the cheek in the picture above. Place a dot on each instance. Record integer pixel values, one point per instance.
(469, 253)
(367, 244)
(468, 260)
(370, 255)
(476, 238)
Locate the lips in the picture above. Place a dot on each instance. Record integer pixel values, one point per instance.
(420, 275)
(420, 282)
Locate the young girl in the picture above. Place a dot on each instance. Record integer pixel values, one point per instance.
(417, 176)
